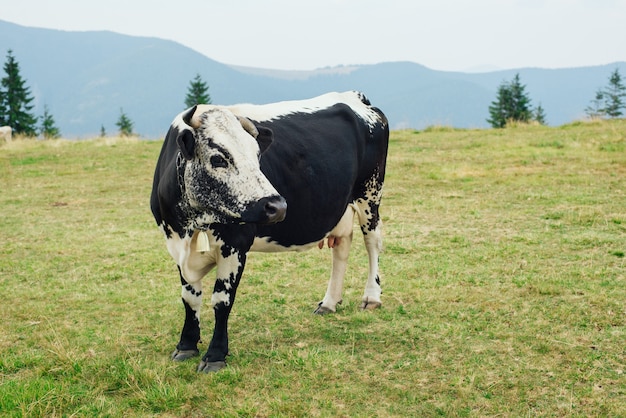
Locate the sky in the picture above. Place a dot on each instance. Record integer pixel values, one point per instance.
(449, 35)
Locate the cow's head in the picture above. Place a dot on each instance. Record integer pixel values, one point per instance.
(222, 175)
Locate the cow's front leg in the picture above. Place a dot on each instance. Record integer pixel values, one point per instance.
(191, 294)
(229, 270)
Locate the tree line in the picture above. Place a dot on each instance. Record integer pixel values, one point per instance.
(16, 105)
(513, 104)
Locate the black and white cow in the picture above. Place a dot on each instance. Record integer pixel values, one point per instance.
(275, 177)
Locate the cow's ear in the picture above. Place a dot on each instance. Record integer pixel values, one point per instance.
(265, 138)
(187, 143)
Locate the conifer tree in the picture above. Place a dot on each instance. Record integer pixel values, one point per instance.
(512, 104)
(16, 99)
(124, 124)
(539, 115)
(614, 96)
(197, 93)
(48, 127)
(596, 109)
(499, 109)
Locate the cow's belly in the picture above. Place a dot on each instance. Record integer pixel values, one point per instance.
(266, 245)
(343, 228)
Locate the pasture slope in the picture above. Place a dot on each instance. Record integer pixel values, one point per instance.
(504, 284)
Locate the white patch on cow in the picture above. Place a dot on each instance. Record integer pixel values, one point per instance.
(221, 136)
(220, 297)
(194, 265)
(277, 110)
(192, 293)
(344, 227)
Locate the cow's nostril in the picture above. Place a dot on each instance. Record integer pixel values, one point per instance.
(276, 210)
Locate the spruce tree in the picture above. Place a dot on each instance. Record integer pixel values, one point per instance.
(539, 115)
(596, 109)
(124, 124)
(499, 109)
(197, 93)
(48, 127)
(521, 111)
(512, 104)
(614, 96)
(16, 99)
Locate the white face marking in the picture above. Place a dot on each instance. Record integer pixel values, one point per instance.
(224, 177)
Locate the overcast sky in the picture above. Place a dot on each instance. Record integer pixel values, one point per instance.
(455, 35)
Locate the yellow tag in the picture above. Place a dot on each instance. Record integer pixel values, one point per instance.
(202, 243)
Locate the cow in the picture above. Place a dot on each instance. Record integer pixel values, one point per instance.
(6, 133)
(275, 177)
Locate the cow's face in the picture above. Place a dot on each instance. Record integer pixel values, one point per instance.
(222, 175)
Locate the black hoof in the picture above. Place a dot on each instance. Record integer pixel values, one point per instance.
(211, 366)
(182, 355)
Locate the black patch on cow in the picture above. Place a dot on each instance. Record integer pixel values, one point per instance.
(236, 238)
(190, 334)
(320, 163)
(265, 138)
(223, 151)
(211, 193)
(187, 144)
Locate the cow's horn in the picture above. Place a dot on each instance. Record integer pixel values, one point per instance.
(248, 126)
(192, 118)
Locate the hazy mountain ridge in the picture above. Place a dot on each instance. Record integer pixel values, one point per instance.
(85, 78)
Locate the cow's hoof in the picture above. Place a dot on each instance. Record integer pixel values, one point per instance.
(210, 366)
(323, 310)
(182, 355)
(370, 305)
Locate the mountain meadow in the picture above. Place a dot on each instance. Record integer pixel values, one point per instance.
(503, 274)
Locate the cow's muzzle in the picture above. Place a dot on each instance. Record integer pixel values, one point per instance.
(268, 210)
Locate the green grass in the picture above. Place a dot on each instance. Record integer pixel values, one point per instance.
(503, 274)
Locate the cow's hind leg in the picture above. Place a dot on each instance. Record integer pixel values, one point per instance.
(371, 226)
(341, 250)
(340, 240)
(187, 347)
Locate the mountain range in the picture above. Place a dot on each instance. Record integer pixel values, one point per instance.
(87, 79)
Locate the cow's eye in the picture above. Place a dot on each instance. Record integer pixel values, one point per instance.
(217, 161)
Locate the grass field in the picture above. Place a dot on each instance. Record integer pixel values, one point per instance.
(504, 282)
